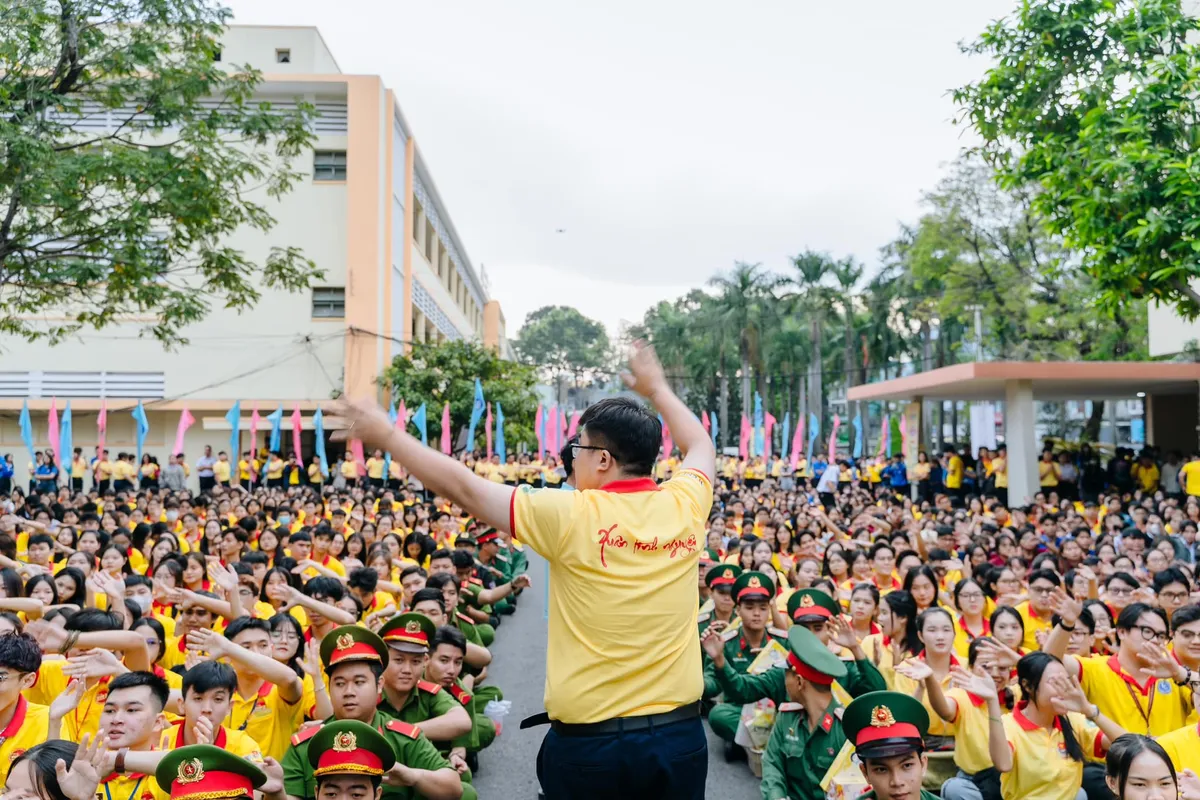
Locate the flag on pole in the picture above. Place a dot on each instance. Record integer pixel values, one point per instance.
(143, 427)
(797, 441)
(487, 425)
(744, 438)
(52, 432)
(550, 431)
(903, 434)
(297, 426)
(539, 430)
(573, 428)
(255, 419)
(402, 417)
(101, 427)
(276, 420)
(27, 430)
(360, 460)
(393, 418)
(858, 436)
(477, 410)
(185, 421)
(446, 428)
(319, 435)
(66, 439)
(833, 439)
(768, 426)
(757, 441)
(500, 449)
(704, 421)
(787, 430)
(814, 430)
(419, 419)
(234, 418)
(714, 430)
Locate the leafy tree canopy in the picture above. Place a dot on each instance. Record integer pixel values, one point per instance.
(562, 341)
(433, 374)
(127, 157)
(1095, 102)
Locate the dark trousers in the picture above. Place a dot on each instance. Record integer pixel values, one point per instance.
(207, 482)
(665, 763)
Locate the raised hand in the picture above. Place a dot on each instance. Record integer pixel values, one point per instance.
(521, 582)
(1066, 606)
(843, 633)
(914, 669)
(222, 575)
(203, 730)
(978, 682)
(274, 772)
(1069, 695)
(711, 642)
(81, 780)
(1158, 662)
(645, 374)
(361, 419)
(311, 663)
(68, 701)
(1189, 785)
(204, 640)
(50, 637)
(993, 651)
(94, 664)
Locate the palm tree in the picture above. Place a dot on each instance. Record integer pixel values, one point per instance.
(744, 304)
(812, 299)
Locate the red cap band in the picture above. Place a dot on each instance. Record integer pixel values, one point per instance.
(807, 672)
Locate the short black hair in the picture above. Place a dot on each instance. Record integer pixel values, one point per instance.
(440, 554)
(1171, 575)
(20, 651)
(138, 580)
(428, 594)
(208, 675)
(326, 587)
(440, 580)
(1047, 575)
(451, 636)
(462, 559)
(627, 430)
(246, 624)
(254, 557)
(93, 620)
(1183, 616)
(1124, 577)
(413, 570)
(131, 680)
(364, 579)
(1128, 618)
(41, 538)
(567, 454)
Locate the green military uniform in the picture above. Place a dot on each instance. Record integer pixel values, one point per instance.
(501, 568)
(884, 725)
(859, 677)
(797, 757)
(720, 578)
(205, 770)
(739, 654)
(468, 597)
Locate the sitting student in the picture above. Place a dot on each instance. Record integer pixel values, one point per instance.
(208, 691)
(22, 724)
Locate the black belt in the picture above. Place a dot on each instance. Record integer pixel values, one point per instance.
(615, 725)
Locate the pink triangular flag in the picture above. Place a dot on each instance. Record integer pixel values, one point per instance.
(704, 421)
(101, 428)
(446, 428)
(488, 430)
(53, 433)
(297, 424)
(768, 423)
(573, 428)
(356, 452)
(744, 438)
(185, 421)
(797, 441)
(833, 439)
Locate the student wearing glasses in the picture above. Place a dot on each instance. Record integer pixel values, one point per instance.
(1185, 640)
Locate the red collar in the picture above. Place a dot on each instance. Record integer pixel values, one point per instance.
(1115, 666)
(892, 582)
(962, 623)
(18, 718)
(630, 486)
(975, 699)
(875, 628)
(1026, 724)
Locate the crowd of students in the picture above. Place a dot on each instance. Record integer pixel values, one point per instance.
(1034, 634)
(246, 615)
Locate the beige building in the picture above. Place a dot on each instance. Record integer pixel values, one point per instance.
(369, 214)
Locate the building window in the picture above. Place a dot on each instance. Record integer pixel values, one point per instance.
(329, 165)
(283, 56)
(329, 302)
(217, 55)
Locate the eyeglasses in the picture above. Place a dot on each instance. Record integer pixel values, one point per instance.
(971, 596)
(575, 448)
(1150, 634)
(1174, 597)
(1187, 637)
(1119, 591)
(285, 636)
(1042, 589)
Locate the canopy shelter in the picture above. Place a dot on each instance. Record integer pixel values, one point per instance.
(1171, 390)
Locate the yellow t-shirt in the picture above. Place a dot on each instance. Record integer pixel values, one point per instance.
(314, 474)
(1042, 770)
(1033, 624)
(375, 468)
(349, 469)
(239, 743)
(29, 726)
(103, 470)
(1189, 473)
(1147, 477)
(1048, 473)
(954, 473)
(266, 718)
(51, 682)
(129, 786)
(1183, 746)
(275, 469)
(243, 470)
(329, 562)
(78, 467)
(1000, 470)
(970, 732)
(1166, 705)
(613, 553)
(222, 471)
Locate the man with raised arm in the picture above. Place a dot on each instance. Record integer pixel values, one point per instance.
(623, 672)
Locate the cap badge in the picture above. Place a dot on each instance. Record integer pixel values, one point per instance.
(345, 642)
(412, 627)
(806, 601)
(754, 582)
(190, 771)
(345, 742)
(881, 717)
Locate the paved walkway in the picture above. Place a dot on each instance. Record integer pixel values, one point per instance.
(508, 768)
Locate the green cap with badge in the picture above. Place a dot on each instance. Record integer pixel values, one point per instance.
(722, 575)
(752, 584)
(809, 658)
(409, 632)
(207, 772)
(811, 605)
(885, 724)
(352, 643)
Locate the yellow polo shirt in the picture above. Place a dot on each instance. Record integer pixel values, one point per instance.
(222, 471)
(623, 593)
(375, 468)
(1033, 624)
(970, 732)
(1000, 470)
(51, 682)
(1042, 770)
(266, 718)
(1189, 474)
(133, 786)
(954, 473)
(1183, 746)
(1154, 709)
(29, 726)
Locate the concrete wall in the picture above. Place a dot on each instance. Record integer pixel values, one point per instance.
(1171, 422)
(256, 45)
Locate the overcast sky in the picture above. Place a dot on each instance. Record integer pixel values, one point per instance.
(669, 139)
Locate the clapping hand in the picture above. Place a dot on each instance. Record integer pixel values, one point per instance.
(458, 760)
(520, 582)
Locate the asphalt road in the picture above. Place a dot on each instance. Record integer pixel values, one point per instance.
(508, 769)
